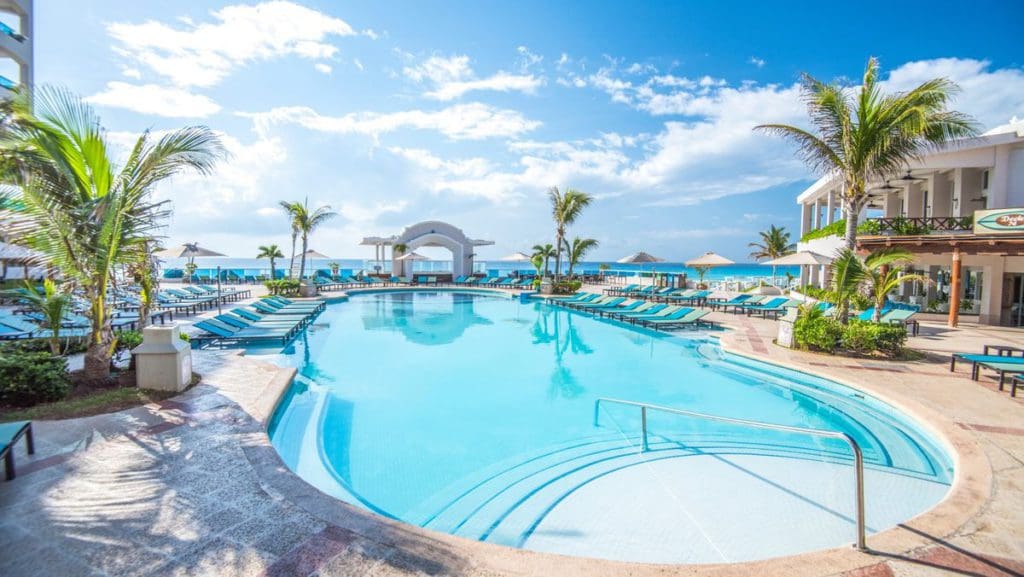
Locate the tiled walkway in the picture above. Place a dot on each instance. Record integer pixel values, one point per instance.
(192, 487)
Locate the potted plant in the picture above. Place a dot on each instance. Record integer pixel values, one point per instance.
(335, 267)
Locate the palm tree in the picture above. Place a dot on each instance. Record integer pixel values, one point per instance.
(304, 222)
(273, 253)
(577, 250)
(86, 214)
(565, 209)
(847, 275)
(52, 305)
(867, 135)
(774, 244)
(292, 209)
(546, 251)
(881, 269)
(143, 273)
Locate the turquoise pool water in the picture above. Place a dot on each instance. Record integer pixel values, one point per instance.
(473, 414)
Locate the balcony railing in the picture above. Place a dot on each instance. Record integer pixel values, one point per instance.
(905, 226)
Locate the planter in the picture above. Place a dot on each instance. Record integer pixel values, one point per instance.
(547, 287)
(307, 289)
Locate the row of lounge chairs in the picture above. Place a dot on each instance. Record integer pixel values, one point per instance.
(272, 319)
(662, 316)
(509, 282)
(661, 294)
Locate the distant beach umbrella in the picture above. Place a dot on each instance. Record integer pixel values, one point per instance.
(189, 250)
(311, 254)
(639, 258)
(412, 256)
(517, 257)
(709, 259)
(800, 258)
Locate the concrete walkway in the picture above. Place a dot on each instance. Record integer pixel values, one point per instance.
(192, 487)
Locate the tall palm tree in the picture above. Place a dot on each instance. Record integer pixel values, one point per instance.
(565, 209)
(847, 275)
(882, 275)
(304, 222)
(578, 249)
(866, 135)
(292, 209)
(271, 252)
(86, 214)
(546, 251)
(774, 244)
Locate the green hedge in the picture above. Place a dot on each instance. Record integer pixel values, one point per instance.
(283, 287)
(814, 331)
(28, 378)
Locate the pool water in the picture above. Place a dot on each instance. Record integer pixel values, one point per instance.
(474, 414)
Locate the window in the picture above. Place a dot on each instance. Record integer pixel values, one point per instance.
(984, 180)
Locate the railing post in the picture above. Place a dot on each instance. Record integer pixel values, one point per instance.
(643, 429)
(862, 539)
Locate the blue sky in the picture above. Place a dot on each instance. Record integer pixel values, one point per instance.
(469, 111)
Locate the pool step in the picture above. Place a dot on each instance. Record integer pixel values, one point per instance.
(504, 506)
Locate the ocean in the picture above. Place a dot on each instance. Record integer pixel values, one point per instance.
(252, 266)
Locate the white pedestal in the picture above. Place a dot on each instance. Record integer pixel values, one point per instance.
(163, 361)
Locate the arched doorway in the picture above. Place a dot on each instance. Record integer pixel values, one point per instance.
(432, 233)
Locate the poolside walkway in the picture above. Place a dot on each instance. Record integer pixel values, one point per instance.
(191, 486)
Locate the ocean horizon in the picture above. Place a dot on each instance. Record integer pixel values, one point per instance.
(253, 266)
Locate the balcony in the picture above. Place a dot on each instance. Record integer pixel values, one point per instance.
(905, 226)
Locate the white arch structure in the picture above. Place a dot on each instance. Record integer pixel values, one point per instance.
(430, 233)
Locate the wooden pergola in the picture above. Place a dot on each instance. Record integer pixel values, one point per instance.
(957, 245)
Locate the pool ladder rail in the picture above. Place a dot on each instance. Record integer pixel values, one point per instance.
(860, 544)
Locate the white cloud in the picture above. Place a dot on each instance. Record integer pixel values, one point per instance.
(472, 121)
(132, 73)
(358, 64)
(153, 99)
(203, 54)
(759, 62)
(527, 59)
(991, 96)
(323, 68)
(452, 77)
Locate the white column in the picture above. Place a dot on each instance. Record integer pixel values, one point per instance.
(805, 219)
(958, 200)
(915, 201)
(892, 205)
(830, 217)
(999, 179)
(992, 292)
(817, 214)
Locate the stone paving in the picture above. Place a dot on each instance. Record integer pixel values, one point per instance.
(191, 486)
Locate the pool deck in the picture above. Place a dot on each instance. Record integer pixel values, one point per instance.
(192, 486)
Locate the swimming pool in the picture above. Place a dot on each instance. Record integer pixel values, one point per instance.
(474, 414)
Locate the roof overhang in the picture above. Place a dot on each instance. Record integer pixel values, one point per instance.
(991, 244)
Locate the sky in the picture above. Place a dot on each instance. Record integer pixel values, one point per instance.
(468, 112)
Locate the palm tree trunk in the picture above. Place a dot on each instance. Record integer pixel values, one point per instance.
(97, 356)
(558, 256)
(291, 263)
(302, 263)
(852, 216)
(883, 274)
(273, 271)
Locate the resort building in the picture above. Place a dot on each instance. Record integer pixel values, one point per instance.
(430, 233)
(959, 209)
(16, 61)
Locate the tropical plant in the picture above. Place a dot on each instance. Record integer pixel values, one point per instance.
(335, 267)
(52, 304)
(604, 268)
(272, 253)
(547, 251)
(577, 250)
(85, 214)
(882, 275)
(399, 249)
(304, 222)
(701, 271)
(537, 261)
(847, 275)
(864, 135)
(565, 209)
(189, 270)
(143, 272)
(774, 244)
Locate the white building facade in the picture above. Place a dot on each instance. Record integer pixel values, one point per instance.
(930, 210)
(16, 49)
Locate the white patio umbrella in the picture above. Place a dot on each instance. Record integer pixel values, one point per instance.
(800, 258)
(517, 257)
(410, 257)
(704, 262)
(639, 258)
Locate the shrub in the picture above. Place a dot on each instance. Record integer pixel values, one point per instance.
(812, 330)
(283, 287)
(128, 340)
(30, 378)
(567, 287)
(864, 337)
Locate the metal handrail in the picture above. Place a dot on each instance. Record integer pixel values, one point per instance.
(858, 455)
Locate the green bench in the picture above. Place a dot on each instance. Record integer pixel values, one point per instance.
(9, 435)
